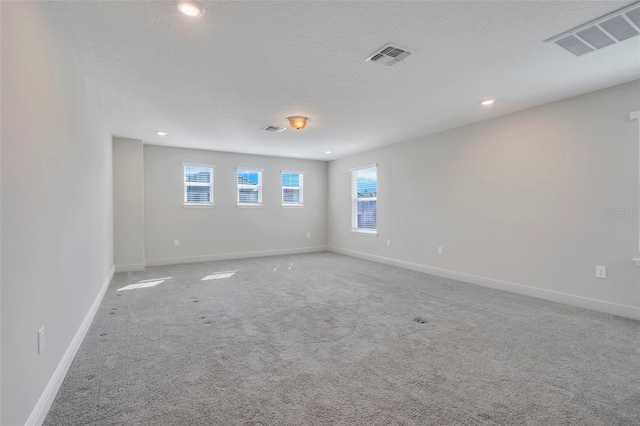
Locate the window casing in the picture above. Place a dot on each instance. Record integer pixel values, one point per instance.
(198, 185)
(292, 189)
(636, 116)
(364, 199)
(249, 191)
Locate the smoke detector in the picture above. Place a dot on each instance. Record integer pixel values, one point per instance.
(388, 55)
(274, 129)
(600, 33)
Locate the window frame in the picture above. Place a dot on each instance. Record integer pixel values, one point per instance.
(355, 200)
(300, 187)
(259, 186)
(211, 186)
(635, 115)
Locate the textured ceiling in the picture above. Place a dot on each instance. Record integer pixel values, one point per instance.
(215, 82)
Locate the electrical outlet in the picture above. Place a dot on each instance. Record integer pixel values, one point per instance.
(41, 340)
(176, 243)
(601, 271)
(388, 243)
(440, 250)
(308, 234)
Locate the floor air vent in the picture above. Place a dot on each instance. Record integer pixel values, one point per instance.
(610, 29)
(388, 55)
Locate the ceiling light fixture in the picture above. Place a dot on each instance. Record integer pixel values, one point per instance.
(298, 122)
(488, 102)
(191, 8)
(161, 133)
(327, 152)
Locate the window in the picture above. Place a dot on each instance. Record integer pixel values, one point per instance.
(636, 116)
(198, 185)
(364, 193)
(249, 187)
(292, 188)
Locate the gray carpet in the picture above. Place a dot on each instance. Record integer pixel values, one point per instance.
(326, 339)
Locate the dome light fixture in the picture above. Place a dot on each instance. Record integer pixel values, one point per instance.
(161, 133)
(488, 102)
(298, 122)
(191, 8)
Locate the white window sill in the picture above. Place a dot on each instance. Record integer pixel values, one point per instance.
(365, 232)
(292, 206)
(250, 206)
(637, 261)
(198, 206)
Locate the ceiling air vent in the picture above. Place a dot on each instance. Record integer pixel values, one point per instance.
(605, 31)
(388, 55)
(273, 129)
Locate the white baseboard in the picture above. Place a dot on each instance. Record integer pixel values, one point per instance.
(41, 409)
(227, 256)
(130, 268)
(552, 296)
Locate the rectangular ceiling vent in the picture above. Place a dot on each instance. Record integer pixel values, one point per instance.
(605, 31)
(388, 55)
(273, 129)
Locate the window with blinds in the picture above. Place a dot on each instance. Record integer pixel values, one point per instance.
(249, 187)
(198, 185)
(292, 193)
(364, 197)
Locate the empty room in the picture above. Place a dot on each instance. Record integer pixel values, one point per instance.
(320, 212)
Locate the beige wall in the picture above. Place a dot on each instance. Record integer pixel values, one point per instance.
(128, 204)
(57, 215)
(521, 198)
(226, 230)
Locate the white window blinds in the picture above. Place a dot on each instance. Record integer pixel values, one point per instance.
(364, 196)
(249, 187)
(292, 192)
(198, 184)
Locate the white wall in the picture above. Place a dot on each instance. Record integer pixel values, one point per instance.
(57, 221)
(521, 198)
(0, 233)
(226, 230)
(128, 205)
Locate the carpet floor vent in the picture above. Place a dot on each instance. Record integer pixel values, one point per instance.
(605, 31)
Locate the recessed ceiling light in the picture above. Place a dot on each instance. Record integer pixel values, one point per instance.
(191, 8)
(487, 102)
(161, 133)
(327, 152)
